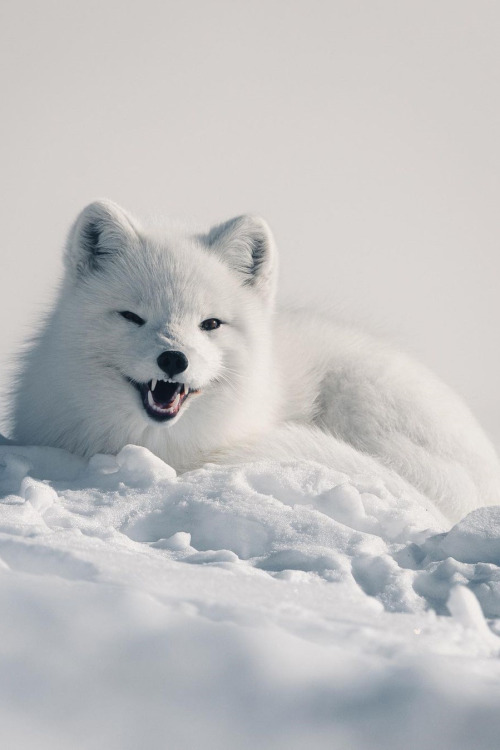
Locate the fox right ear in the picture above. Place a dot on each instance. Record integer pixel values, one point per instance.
(102, 230)
(246, 245)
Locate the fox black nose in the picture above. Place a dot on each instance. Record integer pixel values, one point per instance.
(172, 363)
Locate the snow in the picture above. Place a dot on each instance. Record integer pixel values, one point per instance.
(274, 604)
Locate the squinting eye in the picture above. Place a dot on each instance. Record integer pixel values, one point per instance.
(132, 317)
(211, 324)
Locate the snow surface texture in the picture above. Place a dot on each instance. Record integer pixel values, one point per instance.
(273, 605)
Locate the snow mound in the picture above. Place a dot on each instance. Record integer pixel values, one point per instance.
(271, 604)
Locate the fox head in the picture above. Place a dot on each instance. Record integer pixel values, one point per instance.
(166, 326)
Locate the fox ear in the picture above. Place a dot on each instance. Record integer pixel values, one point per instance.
(247, 245)
(101, 230)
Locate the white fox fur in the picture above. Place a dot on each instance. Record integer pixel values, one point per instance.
(265, 384)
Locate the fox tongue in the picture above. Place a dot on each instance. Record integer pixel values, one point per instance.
(164, 393)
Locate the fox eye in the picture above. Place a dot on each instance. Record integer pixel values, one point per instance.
(132, 317)
(210, 324)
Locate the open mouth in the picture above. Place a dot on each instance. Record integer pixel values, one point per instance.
(161, 400)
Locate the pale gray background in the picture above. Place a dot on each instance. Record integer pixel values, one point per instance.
(367, 133)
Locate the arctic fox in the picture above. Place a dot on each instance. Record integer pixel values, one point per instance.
(170, 340)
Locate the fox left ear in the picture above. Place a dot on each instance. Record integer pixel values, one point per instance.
(102, 229)
(247, 245)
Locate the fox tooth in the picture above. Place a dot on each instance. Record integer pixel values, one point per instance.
(151, 401)
(153, 384)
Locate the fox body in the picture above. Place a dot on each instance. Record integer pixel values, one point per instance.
(171, 340)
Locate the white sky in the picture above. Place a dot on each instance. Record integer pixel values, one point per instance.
(367, 133)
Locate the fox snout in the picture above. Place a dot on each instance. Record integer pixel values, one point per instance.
(172, 363)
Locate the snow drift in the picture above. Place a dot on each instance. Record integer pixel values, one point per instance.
(277, 605)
